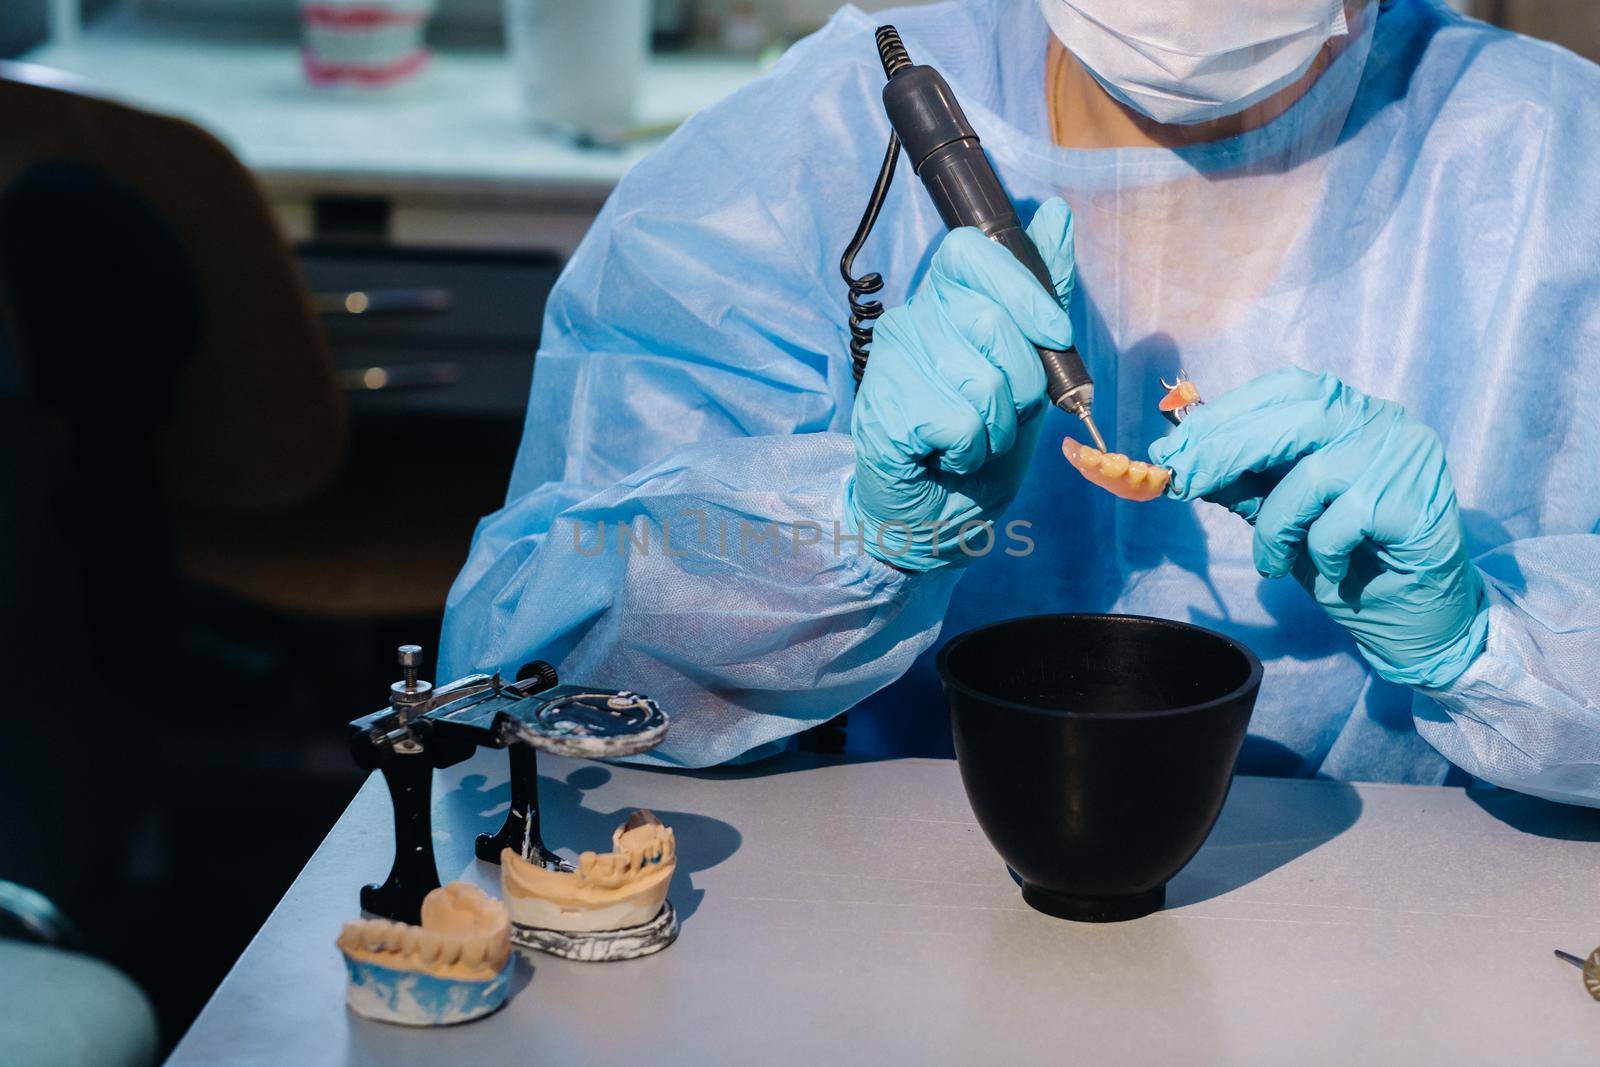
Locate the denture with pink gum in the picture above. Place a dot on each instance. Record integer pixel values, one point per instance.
(1115, 473)
(1127, 478)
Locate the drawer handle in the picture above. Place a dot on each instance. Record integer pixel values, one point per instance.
(399, 376)
(383, 302)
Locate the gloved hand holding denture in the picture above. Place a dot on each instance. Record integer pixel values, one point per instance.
(951, 405)
(1352, 496)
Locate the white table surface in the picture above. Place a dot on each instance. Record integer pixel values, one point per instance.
(839, 912)
(459, 125)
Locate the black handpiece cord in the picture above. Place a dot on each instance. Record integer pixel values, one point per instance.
(947, 156)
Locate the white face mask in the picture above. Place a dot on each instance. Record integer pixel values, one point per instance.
(1186, 61)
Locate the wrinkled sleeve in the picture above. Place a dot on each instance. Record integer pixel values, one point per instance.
(1526, 714)
(673, 524)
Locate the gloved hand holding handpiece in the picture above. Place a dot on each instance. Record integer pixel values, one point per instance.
(949, 409)
(1352, 496)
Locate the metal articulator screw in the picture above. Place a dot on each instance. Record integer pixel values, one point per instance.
(410, 694)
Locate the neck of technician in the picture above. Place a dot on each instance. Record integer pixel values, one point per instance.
(1084, 115)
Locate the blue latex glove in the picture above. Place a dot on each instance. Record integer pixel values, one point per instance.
(1352, 496)
(950, 407)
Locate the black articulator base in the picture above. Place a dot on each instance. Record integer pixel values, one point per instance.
(521, 830)
(409, 776)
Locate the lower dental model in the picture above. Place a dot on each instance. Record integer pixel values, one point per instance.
(623, 888)
(454, 967)
(1132, 479)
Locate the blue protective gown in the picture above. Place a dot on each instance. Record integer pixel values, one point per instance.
(1424, 223)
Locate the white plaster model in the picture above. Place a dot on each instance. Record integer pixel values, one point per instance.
(454, 967)
(623, 888)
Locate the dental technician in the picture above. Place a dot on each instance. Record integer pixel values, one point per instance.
(1369, 232)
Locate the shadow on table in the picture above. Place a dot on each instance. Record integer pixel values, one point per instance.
(1542, 818)
(1256, 835)
(521, 974)
(702, 841)
(782, 763)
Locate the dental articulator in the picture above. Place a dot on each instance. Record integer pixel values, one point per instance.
(428, 955)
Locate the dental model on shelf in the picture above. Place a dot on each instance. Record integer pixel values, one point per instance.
(1133, 479)
(613, 906)
(454, 967)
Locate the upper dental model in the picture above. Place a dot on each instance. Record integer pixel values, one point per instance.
(455, 966)
(624, 888)
(1132, 479)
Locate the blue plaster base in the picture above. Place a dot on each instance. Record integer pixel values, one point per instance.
(415, 999)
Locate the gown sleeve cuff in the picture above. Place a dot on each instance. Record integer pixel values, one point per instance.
(1513, 718)
(1489, 670)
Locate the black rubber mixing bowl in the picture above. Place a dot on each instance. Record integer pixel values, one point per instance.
(1097, 750)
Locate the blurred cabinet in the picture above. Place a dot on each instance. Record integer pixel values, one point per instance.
(1573, 24)
(424, 331)
(435, 349)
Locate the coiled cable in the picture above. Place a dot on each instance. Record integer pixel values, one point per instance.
(863, 312)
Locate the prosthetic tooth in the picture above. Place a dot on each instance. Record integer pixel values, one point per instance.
(449, 949)
(1114, 465)
(429, 946)
(474, 950)
(350, 935)
(372, 935)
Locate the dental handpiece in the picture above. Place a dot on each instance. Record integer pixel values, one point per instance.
(944, 150)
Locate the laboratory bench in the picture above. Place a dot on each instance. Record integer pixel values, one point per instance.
(838, 911)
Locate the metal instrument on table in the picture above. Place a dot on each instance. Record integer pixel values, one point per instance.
(1590, 968)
